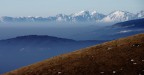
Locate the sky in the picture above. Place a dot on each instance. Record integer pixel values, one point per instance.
(53, 7)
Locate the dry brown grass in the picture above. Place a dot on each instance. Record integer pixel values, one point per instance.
(120, 57)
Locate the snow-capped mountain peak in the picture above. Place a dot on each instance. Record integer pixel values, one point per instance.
(93, 12)
(141, 14)
(119, 16)
(119, 12)
(82, 13)
(83, 16)
(97, 16)
(62, 18)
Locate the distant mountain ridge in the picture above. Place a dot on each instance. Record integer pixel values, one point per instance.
(83, 16)
(28, 49)
(138, 23)
(40, 38)
(115, 31)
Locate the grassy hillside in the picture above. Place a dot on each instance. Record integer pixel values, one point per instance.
(120, 57)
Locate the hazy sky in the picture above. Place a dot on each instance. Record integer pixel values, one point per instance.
(53, 7)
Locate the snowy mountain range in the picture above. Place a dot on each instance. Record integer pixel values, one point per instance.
(83, 16)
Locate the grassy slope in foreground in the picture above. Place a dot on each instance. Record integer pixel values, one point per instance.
(120, 57)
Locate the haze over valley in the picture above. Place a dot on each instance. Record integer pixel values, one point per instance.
(76, 36)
